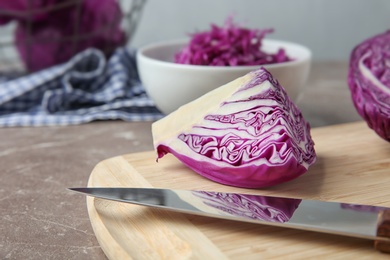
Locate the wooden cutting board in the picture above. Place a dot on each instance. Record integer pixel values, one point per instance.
(353, 166)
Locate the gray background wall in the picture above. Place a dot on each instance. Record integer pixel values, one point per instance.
(331, 28)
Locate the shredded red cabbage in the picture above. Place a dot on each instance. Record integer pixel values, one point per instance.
(229, 45)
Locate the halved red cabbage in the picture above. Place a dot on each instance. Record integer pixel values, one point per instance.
(247, 133)
(369, 82)
(230, 45)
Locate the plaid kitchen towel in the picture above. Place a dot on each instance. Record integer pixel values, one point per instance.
(86, 88)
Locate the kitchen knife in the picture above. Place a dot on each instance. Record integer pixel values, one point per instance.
(362, 221)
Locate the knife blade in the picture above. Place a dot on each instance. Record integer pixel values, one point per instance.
(354, 220)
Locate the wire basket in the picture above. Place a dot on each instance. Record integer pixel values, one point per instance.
(40, 34)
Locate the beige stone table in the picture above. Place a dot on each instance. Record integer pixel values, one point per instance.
(40, 219)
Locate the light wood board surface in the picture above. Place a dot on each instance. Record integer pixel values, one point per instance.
(353, 166)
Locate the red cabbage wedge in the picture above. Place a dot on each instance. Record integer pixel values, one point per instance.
(369, 82)
(247, 133)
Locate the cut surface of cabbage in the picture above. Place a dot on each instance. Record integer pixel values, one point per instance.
(369, 82)
(247, 133)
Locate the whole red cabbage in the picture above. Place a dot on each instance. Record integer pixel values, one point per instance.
(230, 45)
(63, 29)
(369, 82)
(25, 10)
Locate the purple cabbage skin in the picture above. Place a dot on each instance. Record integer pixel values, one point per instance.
(271, 209)
(369, 82)
(25, 10)
(230, 45)
(265, 142)
(52, 37)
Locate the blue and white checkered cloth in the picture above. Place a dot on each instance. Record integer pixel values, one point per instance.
(86, 88)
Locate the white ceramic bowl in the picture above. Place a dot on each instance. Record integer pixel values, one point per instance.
(172, 85)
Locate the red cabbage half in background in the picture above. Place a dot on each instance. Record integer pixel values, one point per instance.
(247, 133)
(369, 82)
(230, 45)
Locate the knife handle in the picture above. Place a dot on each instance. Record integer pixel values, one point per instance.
(383, 230)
